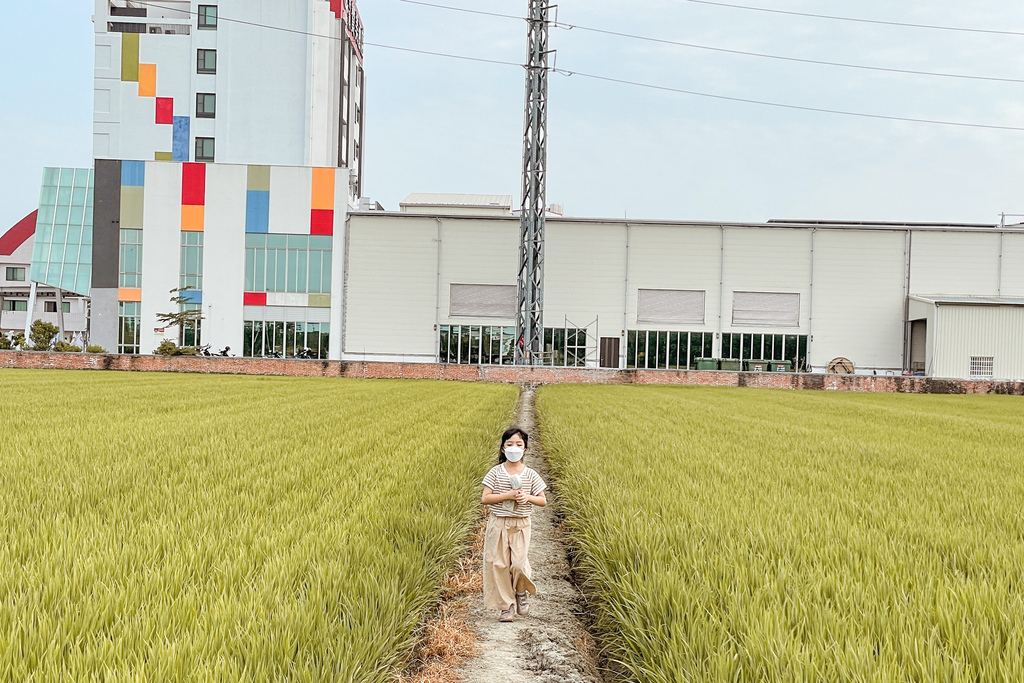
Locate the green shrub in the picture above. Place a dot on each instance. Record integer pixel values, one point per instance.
(42, 334)
(95, 348)
(65, 347)
(5, 343)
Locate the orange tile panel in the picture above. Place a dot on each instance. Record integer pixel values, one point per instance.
(193, 218)
(147, 80)
(323, 188)
(129, 294)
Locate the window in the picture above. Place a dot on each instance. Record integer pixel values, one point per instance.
(191, 260)
(129, 317)
(192, 334)
(288, 263)
(51, 306)
(652, 350)
(477, 345)
(207, 16)
(765, 309)
(682, 307)
(565, 347)
(791, 347)
(15, 274)
(130, 274)
(15, 305)
(207, 62)
(206, 105)
(204, 149)
(982, 366)
(291, 340)
(482, 301)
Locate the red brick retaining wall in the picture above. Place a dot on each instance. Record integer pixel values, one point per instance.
(500, 374)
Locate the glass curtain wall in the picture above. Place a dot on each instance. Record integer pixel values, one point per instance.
(267, 338)
(129, 318)
(477, 345)
(288, 263)
(657, 350)
(791, 347)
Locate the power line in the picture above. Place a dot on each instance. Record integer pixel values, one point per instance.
(729, 51)
(862, 21)
(651, 86)
(566, 72)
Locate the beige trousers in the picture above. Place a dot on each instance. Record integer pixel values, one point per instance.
(506, 564)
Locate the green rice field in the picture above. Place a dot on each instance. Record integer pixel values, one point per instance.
(751, 535)
(203, 528)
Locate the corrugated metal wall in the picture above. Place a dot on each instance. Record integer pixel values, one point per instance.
(961, 332)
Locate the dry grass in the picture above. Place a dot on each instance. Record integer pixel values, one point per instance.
(448, 637)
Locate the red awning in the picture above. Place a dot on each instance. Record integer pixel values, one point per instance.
(16, 236)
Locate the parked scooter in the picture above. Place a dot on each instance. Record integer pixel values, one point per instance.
(305, 354)
(224, 352)
(204, 351)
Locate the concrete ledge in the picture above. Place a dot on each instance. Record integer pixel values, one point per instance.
(499, 374)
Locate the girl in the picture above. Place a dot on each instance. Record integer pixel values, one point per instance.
(511, 489)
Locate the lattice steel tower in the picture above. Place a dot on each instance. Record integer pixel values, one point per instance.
(530, 316)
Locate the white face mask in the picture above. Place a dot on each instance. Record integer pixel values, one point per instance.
(514, 453)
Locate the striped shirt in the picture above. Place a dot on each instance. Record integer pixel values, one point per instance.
(498, 481)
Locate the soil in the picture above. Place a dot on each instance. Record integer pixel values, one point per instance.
(551, 645)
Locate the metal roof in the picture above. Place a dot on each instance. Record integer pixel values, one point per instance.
(940, 299)
(501, 201)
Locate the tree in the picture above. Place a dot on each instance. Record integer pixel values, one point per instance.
(182, 317)
(42, 334)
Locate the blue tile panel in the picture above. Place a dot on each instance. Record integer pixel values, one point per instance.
(181, 138)
(257, 211)
(133, 173)
(193, 296)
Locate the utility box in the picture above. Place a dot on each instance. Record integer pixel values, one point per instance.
(733, 365)
(756, 365)
(707, 363)
(782, 366)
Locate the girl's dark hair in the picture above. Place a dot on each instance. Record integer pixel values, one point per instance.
(509, 433)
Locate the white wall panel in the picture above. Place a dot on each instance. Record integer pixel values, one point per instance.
(585, 270)
(161, 250)
(224, 256)
(291, 189)
(956, 263)
(1013, 265)
(965, 331)
(391, 291)
(675, 257)
(858, 298)
(480, 252)
(337, 314)
(767, 260)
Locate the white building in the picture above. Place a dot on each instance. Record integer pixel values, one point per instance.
(941, 300)
(214, 120)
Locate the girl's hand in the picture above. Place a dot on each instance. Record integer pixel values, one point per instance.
(521, 497)
(512, 495)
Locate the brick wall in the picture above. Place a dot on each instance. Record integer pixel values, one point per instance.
(499, 374)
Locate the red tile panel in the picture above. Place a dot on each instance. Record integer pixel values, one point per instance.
(321, 222)
(165, 110)
(193, 184)
(336, 8)
(254, 299)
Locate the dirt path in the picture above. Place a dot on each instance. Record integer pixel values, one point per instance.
(550, 645)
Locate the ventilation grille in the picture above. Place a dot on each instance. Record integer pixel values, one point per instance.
(981, 366)
(765, 309)
(685, 307)
(483, 301)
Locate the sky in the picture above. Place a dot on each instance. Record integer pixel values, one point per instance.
(445, 125)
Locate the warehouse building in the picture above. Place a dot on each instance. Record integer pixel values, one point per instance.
(940, 300)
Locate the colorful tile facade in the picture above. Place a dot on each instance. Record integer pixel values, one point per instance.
(257, 200)
(193, 197)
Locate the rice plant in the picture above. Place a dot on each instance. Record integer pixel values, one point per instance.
(165, 527)
(744, 535)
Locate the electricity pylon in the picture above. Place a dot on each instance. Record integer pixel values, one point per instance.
(530, 315)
